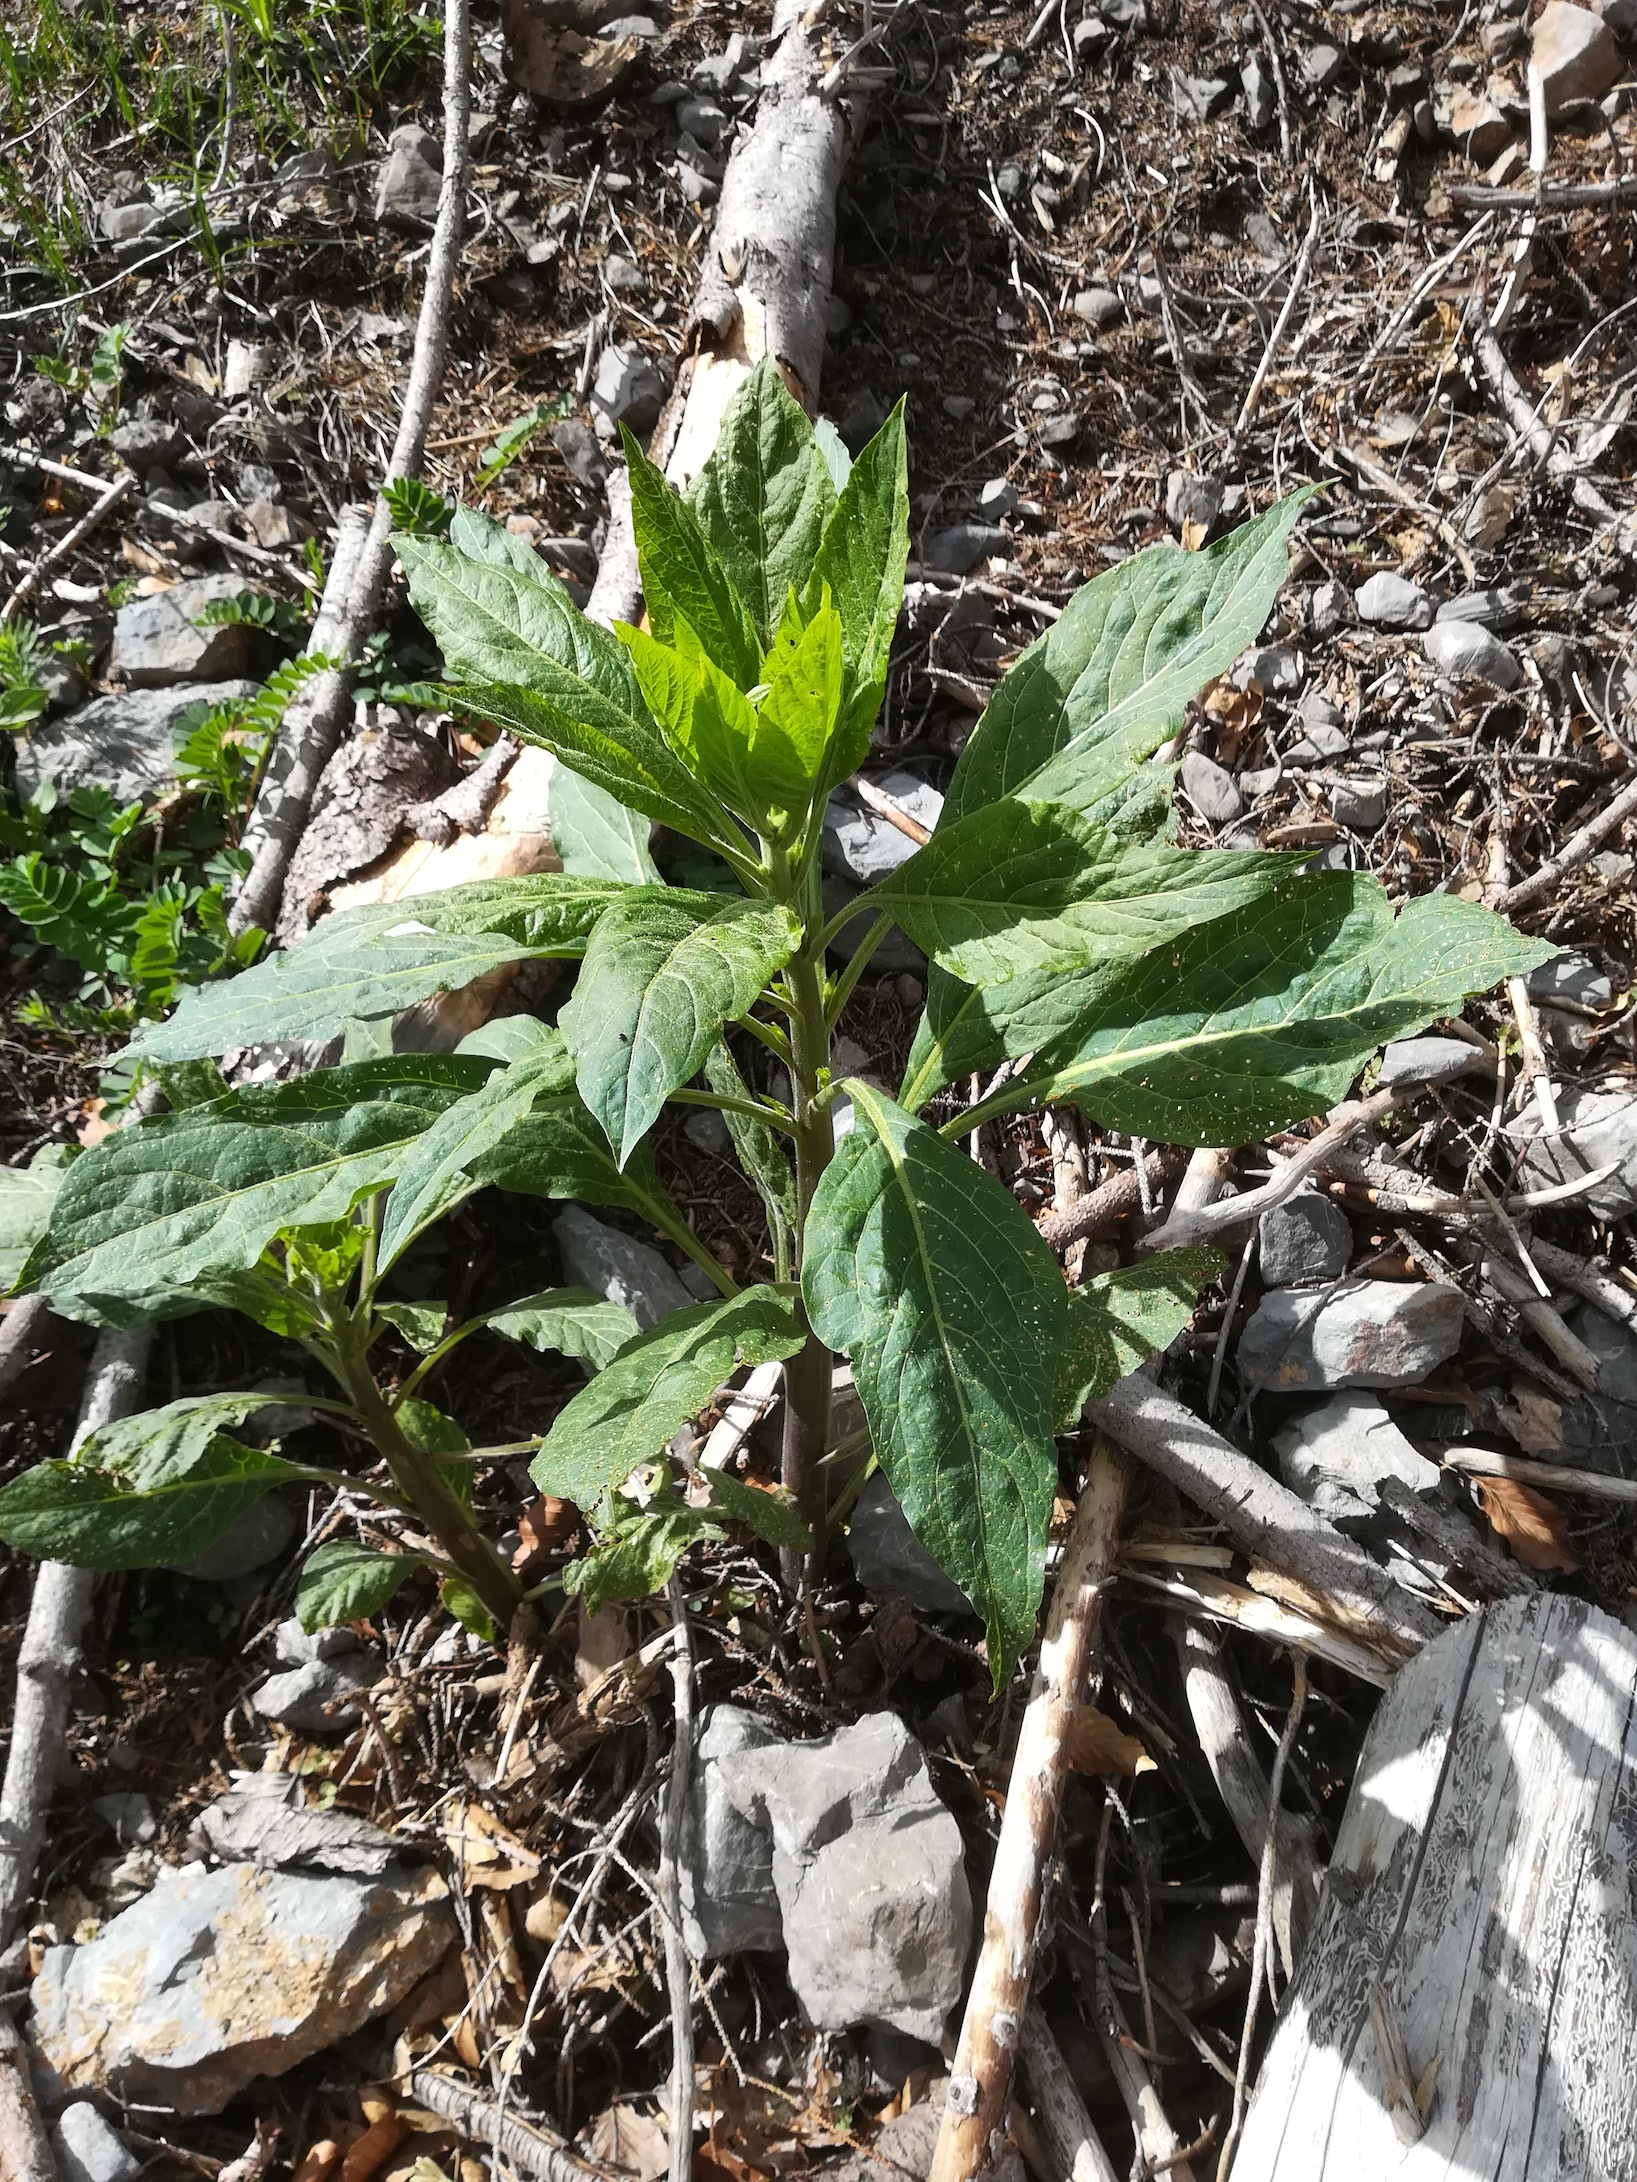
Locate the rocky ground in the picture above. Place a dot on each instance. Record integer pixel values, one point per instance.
(1139, 266)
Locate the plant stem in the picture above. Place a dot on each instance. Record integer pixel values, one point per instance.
(807, 1375)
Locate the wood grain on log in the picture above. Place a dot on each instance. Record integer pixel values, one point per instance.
(1479, 1911)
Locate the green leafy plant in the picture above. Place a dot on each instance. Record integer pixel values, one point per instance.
(22, 695)
(1196, 998)
(504, 449)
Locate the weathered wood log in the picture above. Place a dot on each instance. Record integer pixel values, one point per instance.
(1478, 1915)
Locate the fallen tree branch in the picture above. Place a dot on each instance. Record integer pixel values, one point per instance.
(1070, 2134)
(1549, 1477)
(103, 506)
(363, 549)
(1264, 1518)
(51, 1644)
(25, 2149)
(678, 1964)
(1581, 844)
(19, 1331)
(1101, 1210)
(980, 2079)
(465, 807)
(524, 2144)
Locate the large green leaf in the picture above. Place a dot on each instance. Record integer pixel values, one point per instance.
(765, 495)
(27, 1195)
(682, 573)
(654, 1385)
(161, 1202)
(571, 1321)
(665, 970)
(155, 1488)
(1111, 680)
(523, 655)
(931, 1277)
(365, 963)
(557, 1150)
(1016, 887)
(595, 835)
(861, 558)
(1245, 1026)
(344, 1581)
(436, 1174)
(759, 1152)
(1120, 1319)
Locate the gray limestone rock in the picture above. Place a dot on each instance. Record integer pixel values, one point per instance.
(147, 443)
(1211, 789)
(1571, 977)
(1276, 671)
(1359, 1333)
(861, 845)
(1599, 1130)
(619, 1266)
(1307, 1238)
(1199, 98)
(729, 1901)
(870, 1875)
(1600, 1429)
(1426, 1060)
(1391, 602)
(161, 640)
(90, 2149)
(411, 175)
(129, 1815)
(1319, 67)
(265, 1819)
(628, 389)
(701, 118)
(1574, 54)
(1359, 804)
(1500, 606)
(126, 744)
(253, 1539)
(890, 1561)
(294, 1646)
(1190, 498)
(217, 1977)
(301, 1697)
(1100, 308)
(1467, 648)
(958, 549)
(1257, 85)
(997, 499)
(1336, 1457)
(578, 446)
(1326, 610)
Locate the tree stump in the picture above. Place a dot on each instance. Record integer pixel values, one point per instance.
(1481, 1910)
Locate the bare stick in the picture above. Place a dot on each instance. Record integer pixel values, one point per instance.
(1588, 1277)
(678, 1967)
(1264, 1518)
(981, 2078)
(312, 726)
(25, 2149)
(1298, 281)
(1101, 1210)
(51, 1644)
(1580, 845)
(20, 1329)
(1551, 1477)
(104, 506)
(524, 2144)
(465, 807)
(1071, 2137)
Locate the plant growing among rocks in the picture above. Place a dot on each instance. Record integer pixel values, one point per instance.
(1077, 954)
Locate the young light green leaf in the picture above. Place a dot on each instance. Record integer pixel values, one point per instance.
(796, 720)
(653, 1386)
(461, 1601)
(1120, 1319)
(1111, 680)
(436, 1173)
(1016, 887)
(861, 558)
(421, 1324)
(924, 1270)
(759, 1153)
(571, 1321)
(706, 718)
(428, 1429)
(682, 573)
(343, 1581)
(765, 495)
(771, 1514)
(595, 835)
(637, 1559)
(27, 1195)
(523, 655)
(833, 448)
(1244, 1027)
(666, 969)
(509, 1037)
(162, 1202)
(362, 964)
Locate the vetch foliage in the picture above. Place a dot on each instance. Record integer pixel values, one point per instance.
(1199, 998)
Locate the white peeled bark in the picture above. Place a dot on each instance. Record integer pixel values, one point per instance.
(1478, 1912)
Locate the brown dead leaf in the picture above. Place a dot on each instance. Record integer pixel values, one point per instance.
(490, 1854)
(622, 2137)
(1532, 1525)
(317, 2161)
(1237, 714)
(1533, 1419)
(1194, 533)
(556, 62)
(374, 2148)
(93, 1128)
(1097, 1744)
(544, 1525)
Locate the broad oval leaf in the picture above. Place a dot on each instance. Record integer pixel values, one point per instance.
(664, 971)
(1244, 1027)
(1017, 887)
(343, 1581)
(27, 1195)
(654, 1385)
(158, 1204)
(765, 495)
(1111, 680)
(572, 1321)
(595, 835)
(361, 964)
(1119, 1319)
(924, 1270)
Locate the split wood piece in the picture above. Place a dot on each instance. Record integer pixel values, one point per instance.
(1233, 1215)
(363, 553)
(50, 1651)
(1243, 1786)
(1549, 1477)
(525, 2145)
(1542, 1320)
(1264, 1518)
(104, 505)
(1101, 1210)
(1481, 1884)
(981, 2076)
(1071, 2138)
(25, 2149)
(746, 1407)
(1588, 1277)
(1279, 1612)
(20, 1329)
